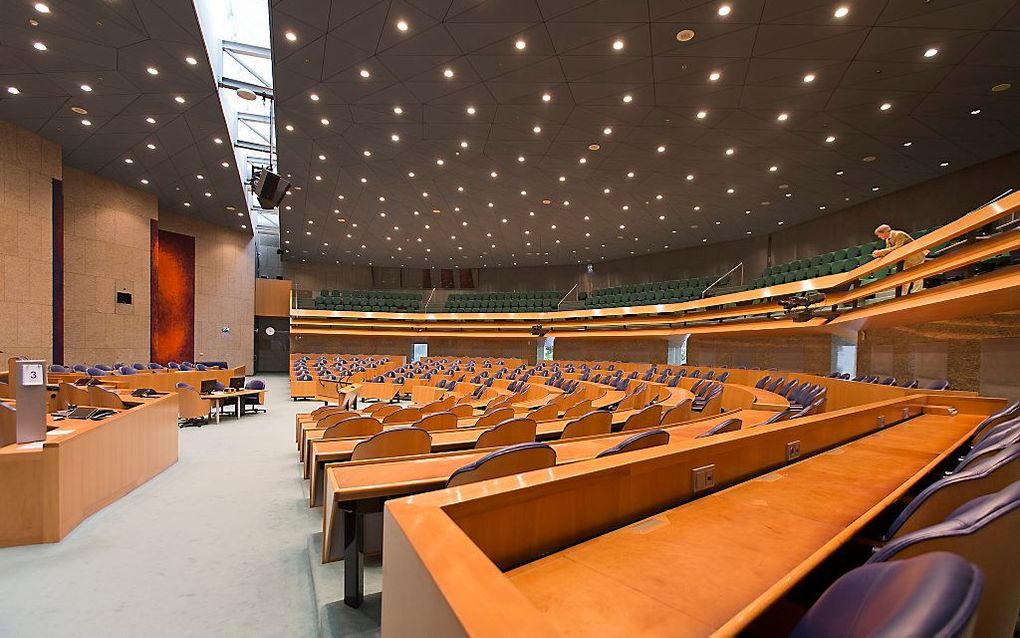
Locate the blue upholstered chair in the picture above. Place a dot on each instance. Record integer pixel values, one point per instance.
(154, 366)
(938, 384)
(640, 441)
(251, 403)
(59, 369)
(985, 532)
(138, 366)
(104, 367)
(984, 476)
(507, 461)
(934, 594)
(173, 365)
(181, 384)
(1007, 413)
(201, 367)
(95, 372)
(729, 425)
(127, 370)
(78, 367)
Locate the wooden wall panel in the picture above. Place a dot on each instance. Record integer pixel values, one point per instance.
(272, 297)
(593, 349)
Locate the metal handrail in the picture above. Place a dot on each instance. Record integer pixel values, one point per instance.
(723, 276)
(565, 296)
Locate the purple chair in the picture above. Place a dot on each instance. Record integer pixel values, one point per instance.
(78, 367)
(201, 367)
(640, 441)
(173, 365)
(104, 367)
(127, 370)
(95, 372)
(154, 366)
(59, 369)
(138, 366)
(729, 425)
(251, 403)
(181, 384)
(936, 594)
(939, 384)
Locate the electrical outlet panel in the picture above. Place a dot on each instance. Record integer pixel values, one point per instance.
(792, 450)
(703, 478)
(881, 420)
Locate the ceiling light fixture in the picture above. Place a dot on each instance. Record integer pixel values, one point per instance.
(520, 45)
(38, 46)
(714, 75)
(782, 117)
(470, 110)
(179, 99)
(627, 99)
(86, 88)
(685, 35)
(86, 123)
(190, 60)
(808, 78)
(41, 8)
(401, 26)
(397, 110)
(152, 70)
(290, 35)
(931, 53)
(830, 139)
(724, 10)
(702, 115)
(13, 90)
(841, 12)
(546, 97)
(617, 45)
(448, 72)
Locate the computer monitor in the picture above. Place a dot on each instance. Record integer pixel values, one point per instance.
(237, 383)
(208, 386)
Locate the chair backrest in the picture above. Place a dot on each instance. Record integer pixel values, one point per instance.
(403, 415)
(578, 409)
(763, 381)
(95, 372)
(505, 462)
(396, 442)
(437, 421)
(332, 418)
(318, 413)
(353, 426)
(646, 418)
(496, 416)
(938, 384)
(383, 411)
(546, 412)
(100, 397)
(372, 407)
(138, 366)
(509, 432)
(729, 425)
(677, 414)
(936, 594)
(983, 531)
(713, 402)
(127, 370)
(598, 422)
(639, 441)
(935, 502)
(997, 440)
(441, 405)
(190, 404)
(68, 393)
(1007, 413)
(462, 411)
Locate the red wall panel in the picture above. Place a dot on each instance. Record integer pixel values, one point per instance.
(172, 293)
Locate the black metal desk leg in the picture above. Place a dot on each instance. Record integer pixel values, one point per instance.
(354, 556)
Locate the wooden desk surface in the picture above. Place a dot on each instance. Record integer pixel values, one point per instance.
(639, 580)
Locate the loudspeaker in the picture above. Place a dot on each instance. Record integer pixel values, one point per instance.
(270, 189)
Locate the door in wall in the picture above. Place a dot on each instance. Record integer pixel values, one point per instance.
(272, 344)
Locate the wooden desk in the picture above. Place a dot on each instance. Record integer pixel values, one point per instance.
(357, 489)
(496, 526)
(219, 398)
(630, 581)
(83, 466)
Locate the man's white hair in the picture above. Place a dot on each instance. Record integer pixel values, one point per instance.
(884, 228)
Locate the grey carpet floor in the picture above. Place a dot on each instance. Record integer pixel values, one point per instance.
(217, 545)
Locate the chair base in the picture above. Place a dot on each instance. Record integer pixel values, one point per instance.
(197, 423)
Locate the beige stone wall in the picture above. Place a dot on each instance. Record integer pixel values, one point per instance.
(224, 289)
(28, 166)
(617, 349)
(798, 352)
(106, 250)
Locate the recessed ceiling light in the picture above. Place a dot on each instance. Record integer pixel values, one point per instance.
(395, 137)
(782, 117)
(594, 147)
(494, 174)
(661, 149)
(190, 60)
(702, 115)
(885, 106)
(714, 75)
(179, 99)
(690, 177)
(546, 97)
(398, 110)
(944, 164)
(41, 8)
(364, 73)
(730, 151)
(289, 127)
(998, 88)
(225, 164)
(79, 110)
(314, 97)
(401, 26)
(868, 158)
(773, 169)
(448, 72)
(908, 143)
(808, 78)
(38, 46)
(630, 174)
(200, 176)
(324, 122)
(729, 191)
(520, 158)
(128, 160)
(470, 110)
(150, 146)
(563, 178)
(144, 181)
(13, 90)
(685, 35)
(86, 123)
(839, 172)
(86, 88)
(582, 160)
(617, 45)
(152, 70)
(290, 35)
(150, 120)
(841, 12)
(724, 10)
(931, 53)
(975, 111)
(520, 45)
(830, 139)
(628, 98)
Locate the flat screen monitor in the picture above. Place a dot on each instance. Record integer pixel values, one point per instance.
(208, 386)
(237, 383)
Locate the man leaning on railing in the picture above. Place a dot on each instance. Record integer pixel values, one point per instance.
(895, 239)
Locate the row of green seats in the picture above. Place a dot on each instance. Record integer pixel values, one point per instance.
(372, 306)
(810, 272)
(668, 295)
(526, 301)
(486, 296)
(371, 294)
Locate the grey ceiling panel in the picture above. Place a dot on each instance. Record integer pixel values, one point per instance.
(109, 46)
(828, 139)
